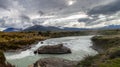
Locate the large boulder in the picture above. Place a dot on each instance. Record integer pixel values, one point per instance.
(3, 62)
(54, 49)
(54, 62)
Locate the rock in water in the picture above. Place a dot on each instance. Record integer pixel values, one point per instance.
(54, 62)
(54, 49)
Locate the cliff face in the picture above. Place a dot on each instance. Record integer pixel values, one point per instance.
(106, 42)
(3, 62)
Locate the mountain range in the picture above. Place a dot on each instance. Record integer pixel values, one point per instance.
(12, 30)
(51, 28)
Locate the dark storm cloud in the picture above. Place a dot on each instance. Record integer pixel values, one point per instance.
(42, 5)
(84, 20)
(2, 22)
(25, 17)
(40, 12)
(88, 20)
(5, 4)
(110, 8)
(59, 6)
(46, 6)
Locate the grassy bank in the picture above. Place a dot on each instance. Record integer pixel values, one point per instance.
(109, 32)
(18, 40)
(110, 57)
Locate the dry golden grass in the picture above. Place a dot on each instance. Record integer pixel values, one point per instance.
(17, 40)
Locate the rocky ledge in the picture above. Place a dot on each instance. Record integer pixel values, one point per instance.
(54, 49)
(54, 62)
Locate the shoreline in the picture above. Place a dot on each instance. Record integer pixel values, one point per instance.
(97, 48)
(25, 47)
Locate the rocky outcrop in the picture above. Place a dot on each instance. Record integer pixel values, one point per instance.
(3, 62)
(54, 62)
(54, 49)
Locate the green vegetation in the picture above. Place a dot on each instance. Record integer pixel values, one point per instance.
(86, 62)
(63, 34)
(111, 63)
(109, 32)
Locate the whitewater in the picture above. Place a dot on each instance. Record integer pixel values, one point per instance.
(79, 45)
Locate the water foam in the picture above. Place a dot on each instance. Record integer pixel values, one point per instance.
(29, 52)
(80, 46)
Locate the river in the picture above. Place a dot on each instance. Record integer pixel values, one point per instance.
(80, 46)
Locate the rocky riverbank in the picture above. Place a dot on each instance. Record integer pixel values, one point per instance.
(109, 52)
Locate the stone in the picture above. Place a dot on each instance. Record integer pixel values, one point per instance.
(54, 49)
(54, 62)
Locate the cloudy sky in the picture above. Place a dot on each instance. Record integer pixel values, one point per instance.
(66, 13)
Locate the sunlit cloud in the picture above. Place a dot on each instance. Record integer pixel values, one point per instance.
(71, 2)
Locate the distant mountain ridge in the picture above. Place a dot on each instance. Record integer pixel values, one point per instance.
(42, 28)
(51, 28)
(111, 27)
(12, 30)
